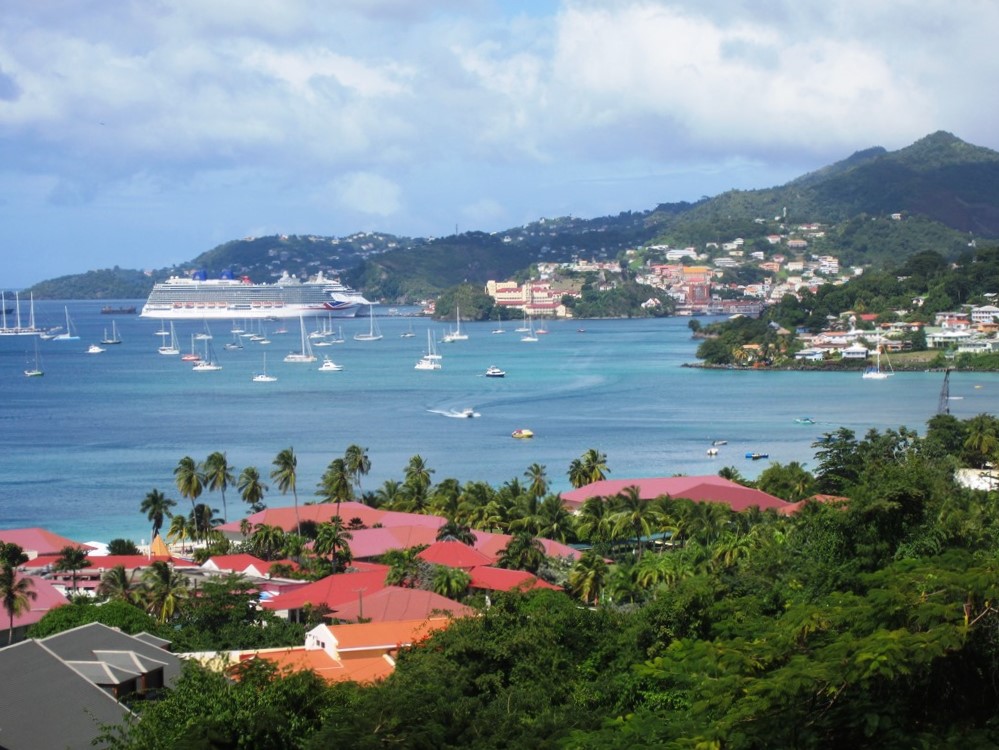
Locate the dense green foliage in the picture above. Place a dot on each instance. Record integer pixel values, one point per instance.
(110, 283)
(868, 621)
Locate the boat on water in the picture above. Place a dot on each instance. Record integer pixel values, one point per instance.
(198, 297)
(373, 333)
(712, 451)
(305, 353)
(529, 332)
(719, 442)
(123, 310)
(455, 334)
(191, 356)
(875, 372)
(70, 333)
(35, 370)
(804, 420)
(114, 338)
(262, 376)
(757, 456)
(169, 349)
(329, 365)
(208, 362)
(431, 360)
(95, 349)
(494, 372)
(522, 434)
(408, 333)
(17, 329)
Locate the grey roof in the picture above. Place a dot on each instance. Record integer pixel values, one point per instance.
(152, 640)
(83, 643)
(45, 703)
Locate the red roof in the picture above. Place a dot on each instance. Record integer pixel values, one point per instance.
(350, 668)
(324, 512)
(36, 541)
(454, 555)
(332, 590)
(395, 603)
(373, 542)
(708, 488)
(500, 579)
(47, 597)
(106, 562)
(491, 545)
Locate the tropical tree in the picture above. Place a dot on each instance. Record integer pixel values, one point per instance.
(117, 585)
(17, 591)
(417, 482)
(588, 577)
(204, 520)
(332, 542)
(390, 495)
(522, 552)
(982, 441)
(267, 541)
(357, 462)
(588, 468)
(457, 532)
(157, 507)
(164, 590)
(71, 559)
(285, 473)
(595, 522)
(450, 582)
(635, 515)
(554, 521)
(180, 530)
(189, 479)
(336, 484)
(218, 476)
(251, 488)
(537, 480)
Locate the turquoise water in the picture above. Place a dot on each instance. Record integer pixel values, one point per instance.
(82, 445)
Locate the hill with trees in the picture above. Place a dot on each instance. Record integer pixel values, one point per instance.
(947, 190)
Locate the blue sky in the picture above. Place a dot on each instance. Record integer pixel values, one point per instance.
(141, 134)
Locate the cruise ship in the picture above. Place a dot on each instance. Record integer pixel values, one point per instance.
(199, 297)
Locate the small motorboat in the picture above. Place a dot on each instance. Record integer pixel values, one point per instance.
(95, 349)
(494, 372)
(719, 442)
(329, 365)
(712, 451)
(804, 420)
(522, 434)
(757, 456)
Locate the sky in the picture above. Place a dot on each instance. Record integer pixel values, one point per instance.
(141, 133)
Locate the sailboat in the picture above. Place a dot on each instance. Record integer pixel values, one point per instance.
(262, 376)
(874, 372)
(338, 339)
(235, 344)
(456, 334)
(373, 333)
(193, 356)
(431, 360)
(206, 334)
(208, 363)
(529, 335)
(114, 338)
(171, 348)
(305, 354)
(408, 333)
(70, 333)
(36, 371)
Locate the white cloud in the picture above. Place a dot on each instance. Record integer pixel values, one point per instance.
(368, 193)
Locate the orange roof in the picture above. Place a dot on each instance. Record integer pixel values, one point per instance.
(353, 668)
(367, 636)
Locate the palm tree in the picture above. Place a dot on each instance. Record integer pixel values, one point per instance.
(358, 463)
(596, 465)
(118, 585)
(634, 514)
(588, 576)
(189, 479)
(522, 552)
(17, 594)
(446, 498)
(267, 540)
(537, 480)
(577, 474)
(594, 521)
(331, 541)
(204, 520)
(983, 440)
(456, 532)
(390, 495)
(285, 474)
(218, 476)
(71, 559)
(163, 590)
(251, 488)
(553, 520)
(180, 530)
(450, 582)
(156, 506)
(336, 485)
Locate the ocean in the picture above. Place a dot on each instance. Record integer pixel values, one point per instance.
(82, 445)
